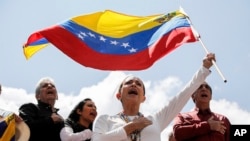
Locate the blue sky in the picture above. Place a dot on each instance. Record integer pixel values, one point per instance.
(223, 26)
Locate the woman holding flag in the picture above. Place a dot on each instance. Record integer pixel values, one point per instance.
(130, 124)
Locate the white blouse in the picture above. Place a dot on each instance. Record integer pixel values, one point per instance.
(110, 128)
(67, 134)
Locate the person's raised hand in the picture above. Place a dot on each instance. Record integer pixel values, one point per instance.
(207, 61)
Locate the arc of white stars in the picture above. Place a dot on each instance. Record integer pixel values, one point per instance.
(132, 50)
(83, 33)
(125, 45)
(102, 38)
(114, 42)
(91, 35)
(81, 36)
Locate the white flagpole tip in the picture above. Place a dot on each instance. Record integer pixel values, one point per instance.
(182, 11)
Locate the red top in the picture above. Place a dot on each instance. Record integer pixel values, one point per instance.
(193, 126)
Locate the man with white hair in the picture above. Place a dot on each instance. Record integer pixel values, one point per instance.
(42, 118)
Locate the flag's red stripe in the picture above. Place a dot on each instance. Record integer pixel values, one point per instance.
(33, 38)
(81, 53)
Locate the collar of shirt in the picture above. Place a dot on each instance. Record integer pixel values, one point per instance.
(202, 112)
(47, 106)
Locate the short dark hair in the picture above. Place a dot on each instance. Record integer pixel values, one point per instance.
(207, 86)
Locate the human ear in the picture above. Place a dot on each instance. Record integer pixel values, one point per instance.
(118, 96)
(38, 96)
(193, 97)
(144, 98)
(78, 111)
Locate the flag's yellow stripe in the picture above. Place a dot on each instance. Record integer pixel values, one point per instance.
(118, 25)
(10, 130)
(29, 51)
(112, 24)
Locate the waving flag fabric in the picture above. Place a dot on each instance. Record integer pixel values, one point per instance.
(7, 128)
(110, 40)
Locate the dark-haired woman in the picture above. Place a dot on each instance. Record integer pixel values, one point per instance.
(78, 125)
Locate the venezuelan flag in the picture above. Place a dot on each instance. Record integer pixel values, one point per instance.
(7, 128)
(110, 40)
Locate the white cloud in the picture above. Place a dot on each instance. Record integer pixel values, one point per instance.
(232, 110)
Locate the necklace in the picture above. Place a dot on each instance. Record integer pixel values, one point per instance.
(135, 135)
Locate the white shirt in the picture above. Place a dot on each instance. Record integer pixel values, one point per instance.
(67, 134)
(110, 128)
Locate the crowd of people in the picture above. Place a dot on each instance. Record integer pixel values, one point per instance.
(130, 124)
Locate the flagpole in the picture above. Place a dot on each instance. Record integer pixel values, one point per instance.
(214, 63)
(197, 35)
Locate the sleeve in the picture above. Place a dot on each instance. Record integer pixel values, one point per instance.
(228, 125)
(102, 132)
(183, 130)
(4, 113)
(175, 105)
(67, 134)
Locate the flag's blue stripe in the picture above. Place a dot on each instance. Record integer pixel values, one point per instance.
(137, 41)
(39, 42)
(3, 126)
(168, 27)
